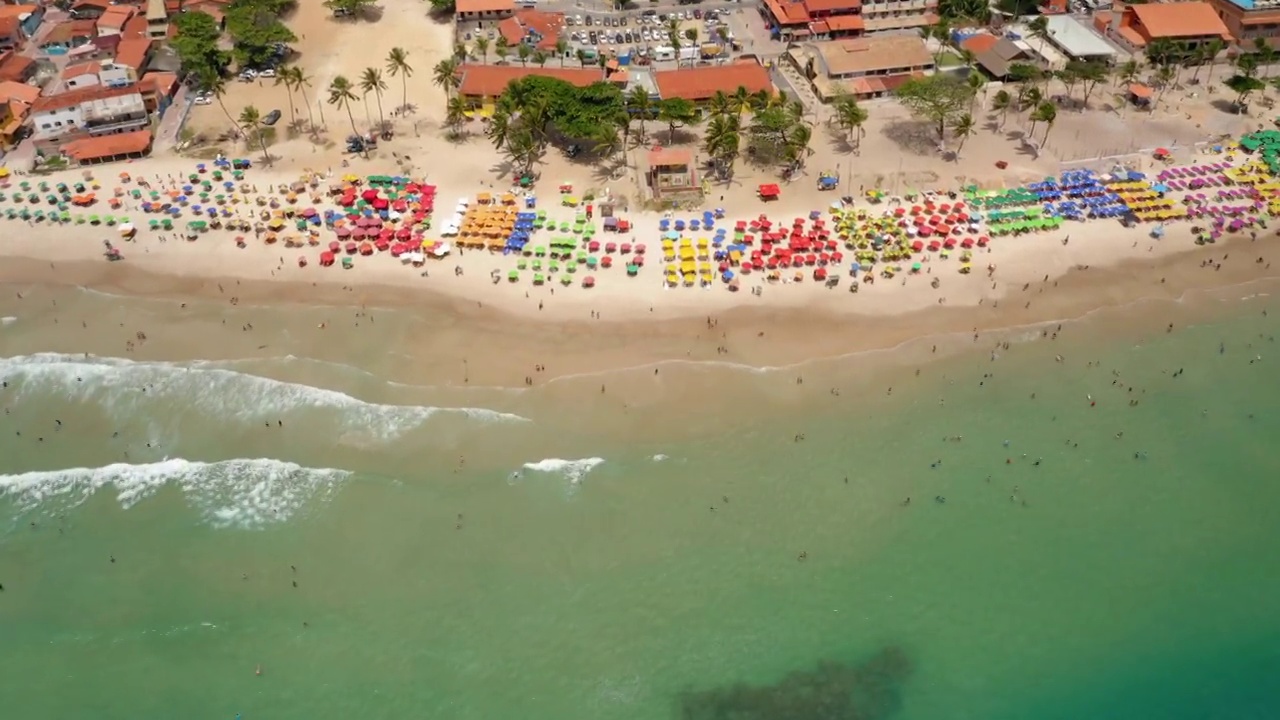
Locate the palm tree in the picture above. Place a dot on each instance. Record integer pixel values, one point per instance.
(1046, 113)
(1129, 72)
(501, 49)
(398, 66)
(251, 122)
(214, 83)
(940, 32)
(976, 81)
(1039, 29)
(460, 52)
(445, 75)
(963, 127)
(797, 144)
(341, 96)
(523, 52)
(482, 44)
(640, 106)
(1165, 76)
(607, 140)
(741, 100)
(455, 114)
(541, 58)
(581, 56)
(562, 49)
(1001, 102)
(371, 82)
(285, 78)
(1212, 51)
(719, 104)
(851, 116)
(302, 81)
(722, 141)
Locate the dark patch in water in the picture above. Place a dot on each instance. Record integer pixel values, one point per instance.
(832, 691)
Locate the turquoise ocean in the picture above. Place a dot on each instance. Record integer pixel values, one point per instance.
(200, 528)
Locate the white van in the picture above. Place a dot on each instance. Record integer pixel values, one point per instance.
(664, 53)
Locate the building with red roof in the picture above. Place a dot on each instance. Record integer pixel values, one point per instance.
(535, 28)
(827, 19)
(484, 9)
(92, 150)
(489, 81)
(93, 110)
(699, 84)
(1190, 24)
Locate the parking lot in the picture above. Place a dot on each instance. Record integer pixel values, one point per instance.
(644, 34)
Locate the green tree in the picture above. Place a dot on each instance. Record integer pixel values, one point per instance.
(719, 104)
(851, 116)
(742, 101)
(445, 75)
(442, 7)
(640, 106)
(540, 58)
(502, 49)
(251, 128)
(341, 96)
(722, 142)
(1046, 113)
(562, 49)
(482, 44)
(256, 29)
(455, 115)
(1001, 102)
(1089, 73)
(523, 52)
(582, 57)
(938, 99)
(371, 82)
(1128, 72)
(196, 44)
(961, 129)
(285, 77)
(1212, 50)
(1243, 86)
(676, 113)
(796, 144)
(398, 66)
(216, 85)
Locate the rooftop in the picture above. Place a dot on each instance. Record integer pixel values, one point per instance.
(660, 156)
(132, 52)
(822, 6)
(547, 25)
(788, 12)
(75, 97)
(981, 42)
(10, 90)
(15, 67)
(67, 31)
(491, 80)
(702, 83)
(107, 146)
(869, 54)
(114, 17)
(464, 6)
(1179, 20)
(1077, 39)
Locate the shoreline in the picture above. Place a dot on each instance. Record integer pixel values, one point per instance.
(760, 338)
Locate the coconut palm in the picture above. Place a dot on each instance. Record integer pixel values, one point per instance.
(460, 52)
(719, 104)
(251, 125)
(445, 75)
(523, 52)
(562, 49)
(741, 101)
(1128, 72)
(371, 82)
(640, 106)
(581, 55)
(540, 58)
(796, 145)
(302, 81)
(455, 115)
(962, 128)
(1046, 113)
(341, 96)
(499, 127)
(286, 79)
(502, 49)
(213, 83)
(398, 66)
(482, 44)
(1212, 51)
(851, 116)
(606, 140)
(1001, 102)
(722, 141)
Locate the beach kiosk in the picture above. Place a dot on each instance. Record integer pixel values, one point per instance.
(671, 172)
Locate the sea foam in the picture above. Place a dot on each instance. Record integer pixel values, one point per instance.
(230, 493)
(573, 470)
(227, 395)
(8, 320)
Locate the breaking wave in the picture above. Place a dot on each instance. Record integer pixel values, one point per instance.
(230, 493)
(572, 470)
(126, 388)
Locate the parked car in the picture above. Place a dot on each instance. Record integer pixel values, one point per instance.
(271, 118)
(268, 73)
(624, 21)
(203, 100)
(593, 38)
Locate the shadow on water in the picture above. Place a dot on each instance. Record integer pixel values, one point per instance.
(831, 691)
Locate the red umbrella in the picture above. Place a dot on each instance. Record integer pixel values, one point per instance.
(350, 248)
(343, 232)
(334, 246)
(640, 248)
(588, 281)
(366, 249)
(369, 195)
(606, 261)
(326, 258)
